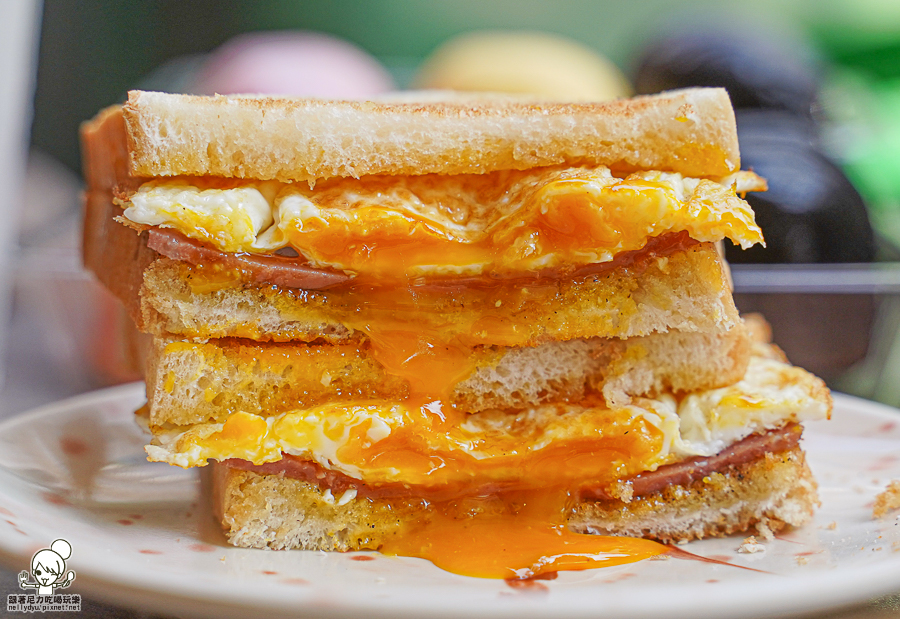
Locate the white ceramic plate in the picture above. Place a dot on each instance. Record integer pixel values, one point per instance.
(141, 536)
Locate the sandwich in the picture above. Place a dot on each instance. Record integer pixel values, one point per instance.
(383, 324)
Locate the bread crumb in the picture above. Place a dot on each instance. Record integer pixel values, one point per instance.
(832, 526)
(662, 557)
(751, 546)
(802, 560)
(763, 529)
(759, 328)
(348, 496)
(622, 490)
(686, 113)
(887, 501)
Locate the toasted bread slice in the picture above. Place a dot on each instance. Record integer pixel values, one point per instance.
(689, 131)
(191, 382)
(273, 511)
(685, 291)
(775, 491)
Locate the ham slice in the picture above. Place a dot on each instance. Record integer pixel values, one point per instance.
(680, 473)
(295, 272)
(277, 270)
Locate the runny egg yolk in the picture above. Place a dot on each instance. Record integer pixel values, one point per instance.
(560, 223)
(526, 537)
(500, 489)
(438, 449)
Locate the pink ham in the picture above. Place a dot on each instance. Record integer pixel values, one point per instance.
(273, 269)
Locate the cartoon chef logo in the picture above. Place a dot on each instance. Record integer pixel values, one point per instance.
(48, 569)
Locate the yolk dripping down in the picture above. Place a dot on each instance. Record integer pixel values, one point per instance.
(515, 546)
(507, 545)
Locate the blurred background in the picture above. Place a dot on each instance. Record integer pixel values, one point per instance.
(816, 84)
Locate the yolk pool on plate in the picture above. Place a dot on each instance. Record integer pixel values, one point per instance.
(516, 547)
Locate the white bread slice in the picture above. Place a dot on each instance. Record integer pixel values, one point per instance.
(273, 511)
(688, 131)
(191, 382)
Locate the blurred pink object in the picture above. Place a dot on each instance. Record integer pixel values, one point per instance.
(304, 64)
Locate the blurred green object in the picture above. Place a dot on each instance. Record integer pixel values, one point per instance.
(865, 136)
(863, 35)
(861, 38)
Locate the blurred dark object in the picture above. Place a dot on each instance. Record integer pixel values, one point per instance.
(811, 212)
(823, 333)
(758, 70)
(823, 315)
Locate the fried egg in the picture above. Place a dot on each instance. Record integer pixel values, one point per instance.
(428, 445)
(499, 223)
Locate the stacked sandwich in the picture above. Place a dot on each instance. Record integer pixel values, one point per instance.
(376, 318)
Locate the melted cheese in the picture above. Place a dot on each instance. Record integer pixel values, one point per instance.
(504, 223)
(432, 445)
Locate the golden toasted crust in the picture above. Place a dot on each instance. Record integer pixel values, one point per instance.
(191, 382)
(272, 511)
(689, 131)
(110, 249)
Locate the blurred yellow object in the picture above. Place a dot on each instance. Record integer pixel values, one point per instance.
(534, 63)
